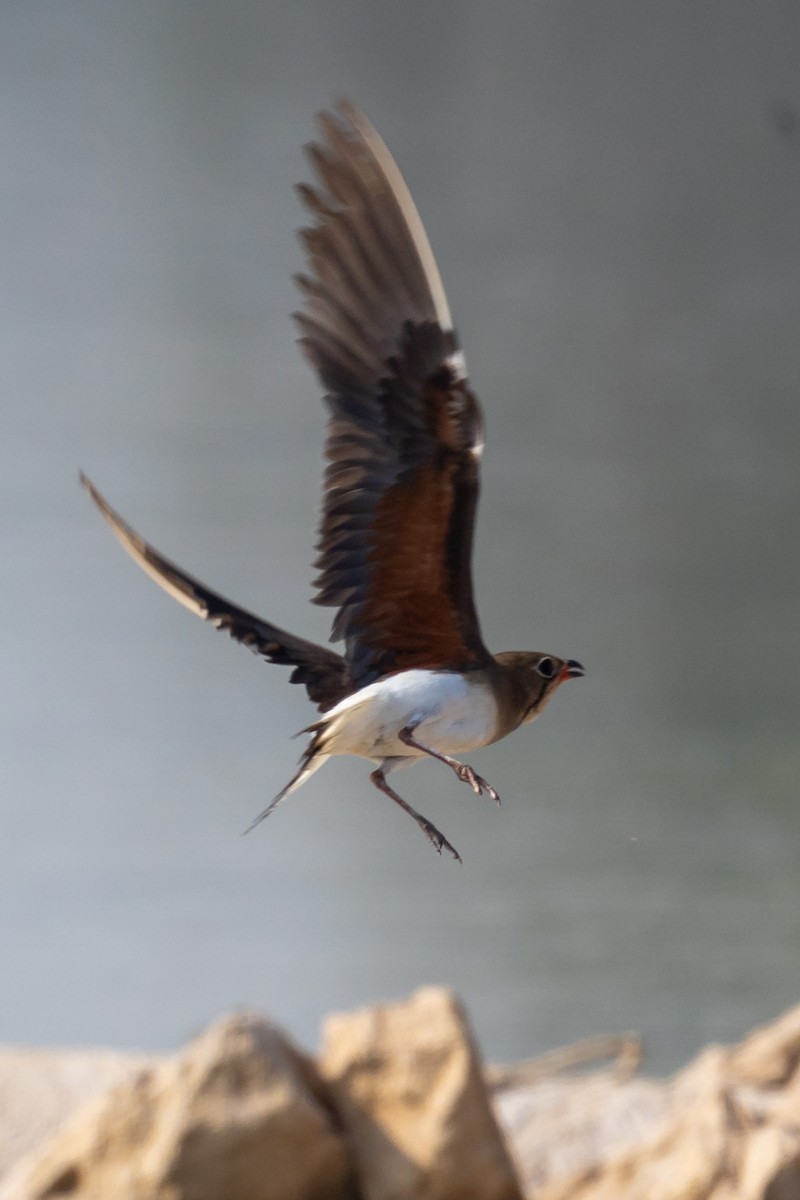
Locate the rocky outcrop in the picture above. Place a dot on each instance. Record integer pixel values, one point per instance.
(398, 1106)
(40, 1089)
(240, 1114)
(408, 1085)
(561, 1126)
(727, 1127)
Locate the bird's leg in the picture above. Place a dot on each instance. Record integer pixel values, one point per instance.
(431, 832)
(464, 772)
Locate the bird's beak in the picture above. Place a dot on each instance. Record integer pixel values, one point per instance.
(572, 670)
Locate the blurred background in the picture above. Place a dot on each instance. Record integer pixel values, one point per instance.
(613, 193)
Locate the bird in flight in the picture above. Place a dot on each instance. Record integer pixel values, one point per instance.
(403, 448)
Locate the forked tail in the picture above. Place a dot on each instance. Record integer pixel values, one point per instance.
(312, 761)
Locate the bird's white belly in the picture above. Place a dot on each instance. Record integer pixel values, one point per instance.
(447, 711)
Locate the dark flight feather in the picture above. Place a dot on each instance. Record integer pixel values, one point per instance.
(404, 432)
(322, 671)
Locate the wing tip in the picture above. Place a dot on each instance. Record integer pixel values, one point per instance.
(113, 518)
(345, 119)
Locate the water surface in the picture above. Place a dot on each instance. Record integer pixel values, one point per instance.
(614, 207)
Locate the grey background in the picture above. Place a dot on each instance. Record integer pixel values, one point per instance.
(613, 191)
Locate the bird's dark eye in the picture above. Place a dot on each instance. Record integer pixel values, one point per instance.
(546, 668)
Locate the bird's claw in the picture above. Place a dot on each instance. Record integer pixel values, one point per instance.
(478, 784)
(438, 840)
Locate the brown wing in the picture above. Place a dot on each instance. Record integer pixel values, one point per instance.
(405, 431)
(322, 671)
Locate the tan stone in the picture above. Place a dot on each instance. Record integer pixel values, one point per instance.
(729, 1130)
(239, 1115)
(770, 1167)
(681, 1162)
(242, 1115)
(408, 1085)
(39, 1089)
(568, 1124)
(769, 1056)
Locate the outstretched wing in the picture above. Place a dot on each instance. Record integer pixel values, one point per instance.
(323, 672)
(405, 431)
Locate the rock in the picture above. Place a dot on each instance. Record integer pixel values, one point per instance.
(770, 1166)
(39, 1089)
(729, 1129)
(770, 1056)
(239, 1115)
(399, 1108)
(568, 1124)
(408, 1085)
(683, 1161)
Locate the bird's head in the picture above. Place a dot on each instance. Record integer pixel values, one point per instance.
(536, 677)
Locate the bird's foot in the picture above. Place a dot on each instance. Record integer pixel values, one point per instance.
(478, 784)
(437, 839)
